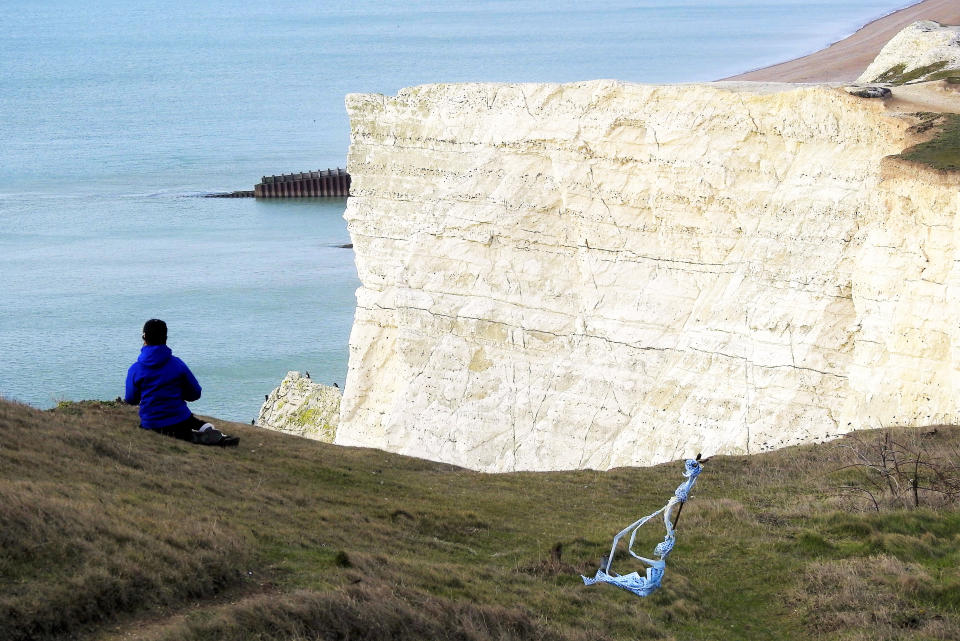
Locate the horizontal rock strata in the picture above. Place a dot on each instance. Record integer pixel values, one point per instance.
(602, 274)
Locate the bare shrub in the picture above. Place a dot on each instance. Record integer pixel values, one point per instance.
(902, 469)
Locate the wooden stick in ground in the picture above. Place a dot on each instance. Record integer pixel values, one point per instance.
(679, 512)
(680, 509)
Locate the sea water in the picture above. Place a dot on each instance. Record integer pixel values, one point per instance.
(115, 116)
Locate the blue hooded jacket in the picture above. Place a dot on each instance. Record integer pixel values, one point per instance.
(161, 384)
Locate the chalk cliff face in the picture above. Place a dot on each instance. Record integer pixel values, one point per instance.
(603, 274)
(301, 407)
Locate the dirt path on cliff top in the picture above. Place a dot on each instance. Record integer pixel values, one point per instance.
(928, 96)
(844, 61)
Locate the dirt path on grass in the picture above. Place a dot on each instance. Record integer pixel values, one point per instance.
(152, 625)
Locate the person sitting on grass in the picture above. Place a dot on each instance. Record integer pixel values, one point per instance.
(162, 384)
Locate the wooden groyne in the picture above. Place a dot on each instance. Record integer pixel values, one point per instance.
(332, 183)
(311, 184)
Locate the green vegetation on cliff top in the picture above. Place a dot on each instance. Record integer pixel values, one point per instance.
(898, 75)
(942, 150)
(110, 532)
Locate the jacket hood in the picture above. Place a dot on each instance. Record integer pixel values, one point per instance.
(154, 355)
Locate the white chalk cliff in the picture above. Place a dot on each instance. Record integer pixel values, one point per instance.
(922, 51)
(603, 274)
(301, 407)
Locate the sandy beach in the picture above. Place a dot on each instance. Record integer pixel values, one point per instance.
(845, 60)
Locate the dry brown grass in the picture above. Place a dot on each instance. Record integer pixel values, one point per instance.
(871, 598)
(73, 551)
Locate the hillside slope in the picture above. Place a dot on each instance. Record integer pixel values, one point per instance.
(109, 532)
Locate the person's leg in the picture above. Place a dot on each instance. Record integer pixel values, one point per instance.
(215, 437)
(182, 430)
(186, 431)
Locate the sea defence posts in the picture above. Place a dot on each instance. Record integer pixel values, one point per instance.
(330, 183)
(312, 184)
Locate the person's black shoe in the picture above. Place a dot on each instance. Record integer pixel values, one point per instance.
(207, 435)
(229, 441)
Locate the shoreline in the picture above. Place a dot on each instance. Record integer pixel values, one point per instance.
(845, 60)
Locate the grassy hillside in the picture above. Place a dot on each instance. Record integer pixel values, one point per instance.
(109, 532)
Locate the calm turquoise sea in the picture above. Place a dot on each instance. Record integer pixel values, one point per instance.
(115, 115)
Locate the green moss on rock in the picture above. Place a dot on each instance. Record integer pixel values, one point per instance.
(300, 406)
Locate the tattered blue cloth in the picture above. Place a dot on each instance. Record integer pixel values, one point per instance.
(633, 582)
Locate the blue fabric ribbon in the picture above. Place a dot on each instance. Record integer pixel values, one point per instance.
(633, 582)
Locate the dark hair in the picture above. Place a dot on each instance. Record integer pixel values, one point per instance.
(155, 332)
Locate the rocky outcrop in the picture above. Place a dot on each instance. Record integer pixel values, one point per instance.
(870, 91)
(925, 50)
(601, 274)
(301, 407)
